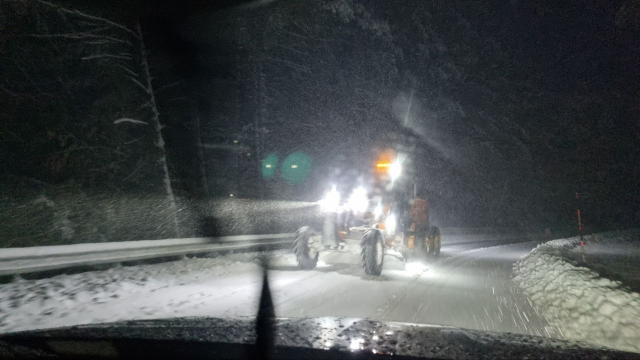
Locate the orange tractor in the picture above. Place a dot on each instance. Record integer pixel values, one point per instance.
(386, 221)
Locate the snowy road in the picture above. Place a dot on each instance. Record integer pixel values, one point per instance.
(468, 286)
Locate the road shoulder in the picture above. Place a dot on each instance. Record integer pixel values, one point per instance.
(584, 305)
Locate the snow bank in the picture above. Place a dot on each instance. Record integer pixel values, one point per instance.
(101, 296)
(581, 304)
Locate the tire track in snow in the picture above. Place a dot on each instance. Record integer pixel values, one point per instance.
(456, 295)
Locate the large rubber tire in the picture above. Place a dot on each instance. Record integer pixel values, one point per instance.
(306, 256)
(372, 252)
(434, 239)
(422, 241)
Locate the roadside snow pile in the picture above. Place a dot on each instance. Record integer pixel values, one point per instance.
(576, 300)
(98, 296)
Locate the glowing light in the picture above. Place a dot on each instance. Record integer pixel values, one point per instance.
(415, 268)
(296, 167)
(358, 201)
(390, 223)
(383, 165)
(395, 170)
(235, 141)
(377, 212)
(230, 195)
(269, 166)
(356, 344)
(331, 201)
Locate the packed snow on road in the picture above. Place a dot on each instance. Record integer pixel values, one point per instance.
(189, 287)
(470, 286)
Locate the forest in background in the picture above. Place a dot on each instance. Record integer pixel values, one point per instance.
(115, 128)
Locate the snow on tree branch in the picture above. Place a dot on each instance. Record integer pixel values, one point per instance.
(82, 35)
(140, 84)
(348, 11)
(99, 56)
(132, 121)
(128, 70)
(92, 17)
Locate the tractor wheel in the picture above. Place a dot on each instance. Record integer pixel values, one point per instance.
(372, 252)
(423, 241)
(306, 256)
(434, 240)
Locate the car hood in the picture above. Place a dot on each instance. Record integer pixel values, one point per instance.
(332, 333)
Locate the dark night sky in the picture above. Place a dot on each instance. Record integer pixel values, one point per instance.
(579, 58)
(570, 43)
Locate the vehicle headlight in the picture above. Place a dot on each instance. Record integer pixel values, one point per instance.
(377, 212)
(390, 223)
(395, 170)
(331, 201)
(358, 201)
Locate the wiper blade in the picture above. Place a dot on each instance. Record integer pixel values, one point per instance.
(265, 321)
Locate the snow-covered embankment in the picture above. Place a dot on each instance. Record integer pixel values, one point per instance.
(583, 305)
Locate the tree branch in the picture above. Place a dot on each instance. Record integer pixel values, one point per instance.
(167, 86)
(132, 121)
(139, 84)
(80, 36)
(86, 148)
(132, 173)
(98, 56)
(16, 95)
(79, 13)
(127, 70)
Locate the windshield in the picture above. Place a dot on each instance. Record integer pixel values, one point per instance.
(467, 164)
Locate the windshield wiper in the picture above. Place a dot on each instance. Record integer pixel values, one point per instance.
(265, 321)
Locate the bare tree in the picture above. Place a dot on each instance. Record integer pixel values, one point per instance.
(91, 105)
(155, 120)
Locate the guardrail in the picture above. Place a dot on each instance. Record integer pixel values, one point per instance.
(14, 261)
(477, 231)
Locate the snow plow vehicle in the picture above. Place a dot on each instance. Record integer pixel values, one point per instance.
(389, 220)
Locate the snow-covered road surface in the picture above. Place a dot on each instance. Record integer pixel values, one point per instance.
(468, 287)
